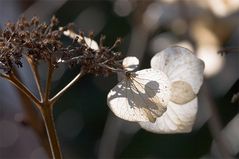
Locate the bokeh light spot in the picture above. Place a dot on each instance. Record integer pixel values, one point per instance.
(8, 133)
(38, 153)
(122, 7)
(69, 124)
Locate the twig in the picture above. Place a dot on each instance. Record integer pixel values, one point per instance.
(33, 119)
(48, 82)
(61, 92)
(12, 78)
(30, 113)
(36, 76)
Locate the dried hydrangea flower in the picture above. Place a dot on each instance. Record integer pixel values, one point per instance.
(163, 98)
(30, 38)
(91, 57)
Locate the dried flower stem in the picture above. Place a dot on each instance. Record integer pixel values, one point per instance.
(12, 78)
(45, 105)
(61, 92)
(48, 82)
(30, 113)
(47, 114)
(46, 108)
(36, 76)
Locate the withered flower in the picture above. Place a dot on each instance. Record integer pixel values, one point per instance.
(93, 58)
(41, 41)
(37, 41)
(31, 38)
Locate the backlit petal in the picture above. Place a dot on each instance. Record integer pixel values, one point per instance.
(177, 119)
(130, 63)
(180, 64)
(141, 97)
(182, 92)
(90, 42)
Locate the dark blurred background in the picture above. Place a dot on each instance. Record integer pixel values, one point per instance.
(85, 125)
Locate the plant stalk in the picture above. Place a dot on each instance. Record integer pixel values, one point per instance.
(15, 81)
(48, 82)
(62, 91)
(47, 114)
(36, 76)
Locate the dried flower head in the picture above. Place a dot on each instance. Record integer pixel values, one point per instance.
(31, 38)
(93, 58)
(40, 41)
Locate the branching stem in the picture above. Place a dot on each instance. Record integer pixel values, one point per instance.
(45, 105)
(61, 92)
(36, 76)
(12, 78)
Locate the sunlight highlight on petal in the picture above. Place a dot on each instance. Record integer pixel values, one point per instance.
(177, 119)
(182, 92)
(140, 96)
(179, 64)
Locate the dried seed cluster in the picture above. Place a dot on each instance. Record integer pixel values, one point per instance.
(31, 38)
(41, 41)
(99, 62)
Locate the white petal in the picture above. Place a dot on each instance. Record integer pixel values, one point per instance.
(180, 64)
(182, 92)
(130, 63)
(177, 119)
(143, 97)
(2, 65)
(91, 43)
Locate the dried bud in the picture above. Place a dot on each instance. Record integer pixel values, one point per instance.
(30, 38)
(92, 58)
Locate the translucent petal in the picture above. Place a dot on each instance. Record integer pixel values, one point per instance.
(140, 96)
(182, 92)
(2, 65)
(130, 63)
(177, 119)
(180, 64)
(91, 43)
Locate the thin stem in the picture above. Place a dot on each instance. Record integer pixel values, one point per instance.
(33, 119)
(21, 87)
(48, 82)
(3, 75)
(61, 92)
(31, 116)
(36, 76)
(47, 114)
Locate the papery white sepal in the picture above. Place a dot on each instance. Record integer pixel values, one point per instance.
(180, 64)
(177, 119)
(140, 96)
(90, 42)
